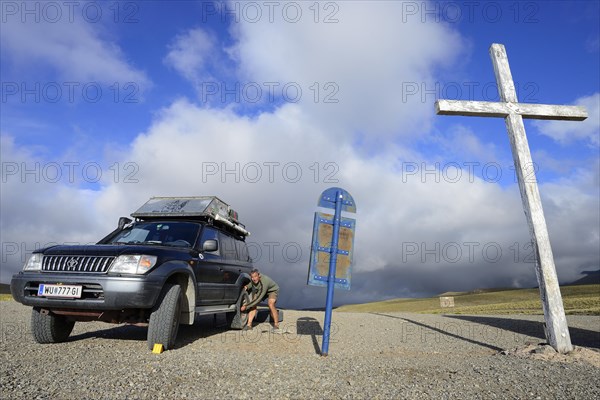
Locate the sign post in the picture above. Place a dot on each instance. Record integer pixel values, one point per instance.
(333, 236)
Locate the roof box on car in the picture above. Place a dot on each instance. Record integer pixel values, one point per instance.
(209, 208)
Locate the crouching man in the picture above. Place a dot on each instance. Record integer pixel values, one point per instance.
(262, 287)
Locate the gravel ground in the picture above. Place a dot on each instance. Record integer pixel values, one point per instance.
(371, 356)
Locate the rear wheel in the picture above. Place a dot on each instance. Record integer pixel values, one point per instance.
(164, 319)
(238, 319)
(50, 328)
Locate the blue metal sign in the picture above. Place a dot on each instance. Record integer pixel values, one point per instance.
(321, 251)
(333, 240)
(328, 200)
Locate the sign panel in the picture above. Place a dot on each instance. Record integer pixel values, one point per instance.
(321, 251)
(328, 200)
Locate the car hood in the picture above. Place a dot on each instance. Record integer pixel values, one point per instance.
(114, 250)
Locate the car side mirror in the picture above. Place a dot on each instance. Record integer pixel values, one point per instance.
(124, 221)
(210, 245)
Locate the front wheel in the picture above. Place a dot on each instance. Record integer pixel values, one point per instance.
(50, 328)
(164, 319)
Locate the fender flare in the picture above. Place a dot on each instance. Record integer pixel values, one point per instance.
(181, 273)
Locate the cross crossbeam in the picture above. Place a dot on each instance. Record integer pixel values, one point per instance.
(502, 110)
(513, 112)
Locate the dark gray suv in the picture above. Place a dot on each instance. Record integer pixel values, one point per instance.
(177, 258)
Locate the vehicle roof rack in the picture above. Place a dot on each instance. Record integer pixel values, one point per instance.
(208, 208)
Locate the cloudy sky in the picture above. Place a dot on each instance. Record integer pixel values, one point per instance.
(267, 104)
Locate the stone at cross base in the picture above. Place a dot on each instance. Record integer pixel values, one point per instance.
(513, 112)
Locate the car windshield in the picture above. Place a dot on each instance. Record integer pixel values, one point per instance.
(178, 234)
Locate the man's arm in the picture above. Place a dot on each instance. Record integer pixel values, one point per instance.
(259, 296)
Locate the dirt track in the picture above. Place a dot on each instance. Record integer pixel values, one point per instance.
(371, 356)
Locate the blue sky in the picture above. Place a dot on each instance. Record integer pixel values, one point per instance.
(105, 104)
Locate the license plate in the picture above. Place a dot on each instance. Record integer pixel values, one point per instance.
(68, 291)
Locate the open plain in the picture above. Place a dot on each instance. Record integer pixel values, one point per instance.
(372, 356)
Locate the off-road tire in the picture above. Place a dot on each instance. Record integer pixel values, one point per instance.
(164, 319)
(238, 319)
(50, 328)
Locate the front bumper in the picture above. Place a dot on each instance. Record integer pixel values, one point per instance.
(100, 292)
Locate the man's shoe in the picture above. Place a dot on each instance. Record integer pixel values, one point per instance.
(247, 328)
(276, 330)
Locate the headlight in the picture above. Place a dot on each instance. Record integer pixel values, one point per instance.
(133, 264)
(34, 263)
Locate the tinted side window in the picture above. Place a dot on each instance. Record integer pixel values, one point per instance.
(242, 251)
(227, 245)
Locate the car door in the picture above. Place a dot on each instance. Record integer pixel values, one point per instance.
(209, 270)
(231, 268)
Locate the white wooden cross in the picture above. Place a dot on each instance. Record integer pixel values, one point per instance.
(513, 112)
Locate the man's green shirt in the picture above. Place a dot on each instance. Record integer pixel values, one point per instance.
(262, 289)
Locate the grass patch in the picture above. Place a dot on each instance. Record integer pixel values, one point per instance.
(577, 300)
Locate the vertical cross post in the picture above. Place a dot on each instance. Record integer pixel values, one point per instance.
(331, 277)
(513, 112)
(557, 330)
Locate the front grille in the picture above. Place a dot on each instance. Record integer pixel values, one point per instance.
(98, 264)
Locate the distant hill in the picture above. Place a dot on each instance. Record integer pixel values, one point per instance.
(476, 291)
(591, 278)
(577, 299)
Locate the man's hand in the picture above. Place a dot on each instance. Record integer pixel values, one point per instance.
(243, 308)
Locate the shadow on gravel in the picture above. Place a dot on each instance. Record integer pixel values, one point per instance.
(442, 331)
(204, 327)
(579, 337)
(312, 327)
(120, 332)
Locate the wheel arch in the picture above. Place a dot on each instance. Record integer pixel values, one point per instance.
(244, 278)
(188, 289)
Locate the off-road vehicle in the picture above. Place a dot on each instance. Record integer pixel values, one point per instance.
(178, 257)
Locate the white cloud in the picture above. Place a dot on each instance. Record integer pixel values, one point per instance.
(413, 226)
(568, 131)
(571, 205)
(191, 53)
(420, 234)
(75, 50)
(39, 210)
(336, 71)
(461, 142)
(369, 58)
